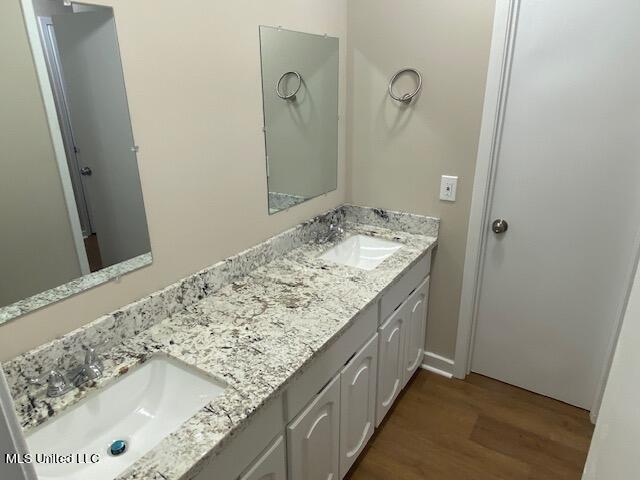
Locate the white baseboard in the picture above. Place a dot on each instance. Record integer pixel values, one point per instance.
(438, 364)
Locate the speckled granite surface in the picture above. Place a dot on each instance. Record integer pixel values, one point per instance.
(73, 287)
(253, 321)
(283, 201)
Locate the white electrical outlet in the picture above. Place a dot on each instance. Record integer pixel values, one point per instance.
(448, 188)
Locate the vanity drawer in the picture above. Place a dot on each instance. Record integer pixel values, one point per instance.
(245, 448)
(402, 288)
(330, 362)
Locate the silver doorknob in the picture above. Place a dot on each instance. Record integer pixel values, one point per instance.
(499, 226)
(86, 171)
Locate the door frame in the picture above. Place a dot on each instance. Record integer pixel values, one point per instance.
(33, 32)
(497, 89)
(52, 57)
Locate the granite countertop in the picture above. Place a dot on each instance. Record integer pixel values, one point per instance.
(254, 334)
(73, 287)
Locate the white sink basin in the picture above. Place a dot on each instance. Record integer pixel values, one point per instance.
(362, 252)
(141, 408)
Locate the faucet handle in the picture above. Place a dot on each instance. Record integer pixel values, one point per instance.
(91, 352)
(56, 382)
(90, 355)
(92, 367)
(44, 378)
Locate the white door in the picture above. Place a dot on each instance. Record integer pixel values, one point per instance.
(390, 362)
(358, 404)
(313, 437)
(566, 182)
(271, 465)
(415, 329)
(94, 84)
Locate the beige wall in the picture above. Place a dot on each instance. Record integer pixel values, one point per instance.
(396, 154)
(192, 71)
(37, 251)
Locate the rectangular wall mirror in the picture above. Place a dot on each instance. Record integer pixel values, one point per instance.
(300, 76)
(71, 205)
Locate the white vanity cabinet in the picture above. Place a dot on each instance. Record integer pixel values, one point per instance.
(403, 311)
(415, 330)
(330, 410)
(358, 404)
(258, 452)
(271, 465)
(313, 438)
(391, 361)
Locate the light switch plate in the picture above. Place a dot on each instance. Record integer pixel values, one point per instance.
(448, 188)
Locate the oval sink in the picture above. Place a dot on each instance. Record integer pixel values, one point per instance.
(122, 422)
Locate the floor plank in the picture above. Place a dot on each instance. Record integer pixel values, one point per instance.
(477, 429)
(93, 253)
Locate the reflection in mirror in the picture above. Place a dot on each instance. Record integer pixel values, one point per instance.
(71, 205)
(300, 93)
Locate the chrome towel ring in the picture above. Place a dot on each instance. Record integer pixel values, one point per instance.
(407, 97)
(289, 96)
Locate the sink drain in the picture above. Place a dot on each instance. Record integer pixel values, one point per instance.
(117, 448)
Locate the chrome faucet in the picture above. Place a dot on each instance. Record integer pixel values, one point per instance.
(59, 383)
(335, 231)
(90, 370)
(56, 382)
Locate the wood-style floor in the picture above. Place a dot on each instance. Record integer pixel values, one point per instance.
(93, 253)
(476, 429)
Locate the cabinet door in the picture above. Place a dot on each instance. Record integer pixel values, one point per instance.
(415, 330)
(271, 465)
(357, 404)
(313, 438)
(390, 362)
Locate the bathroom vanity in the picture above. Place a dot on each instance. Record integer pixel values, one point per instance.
(304, 353)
